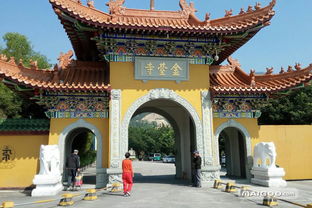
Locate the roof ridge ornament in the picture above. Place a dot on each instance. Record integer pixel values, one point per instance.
(12, 60)
(258, 6)
(207, 16)
(298, 66)
(33, 64)
(116, 6)
(65, 59)
(252, 77)
(249, 9)
(187, 9)
(273, 3)
(282, 70)
(228, 13)
(90, 4)
(269, 71)
(242, 11)
(233, 62)
(3, 57)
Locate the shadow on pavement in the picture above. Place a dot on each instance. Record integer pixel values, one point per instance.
(89, 179)
(161, 179)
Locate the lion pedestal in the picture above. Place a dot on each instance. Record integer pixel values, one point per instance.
(264, 169)
(49, 180)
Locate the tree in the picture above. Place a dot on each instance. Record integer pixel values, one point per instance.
(83, 142)
(12, 105)
(20, 47)
(150, 138)
(293, 108)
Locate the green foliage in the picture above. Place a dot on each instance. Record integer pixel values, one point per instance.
(294, 108)
(20, 47)
(83, 143)
(42, 61)
(10, 104)
(150, 138)
(17, 45)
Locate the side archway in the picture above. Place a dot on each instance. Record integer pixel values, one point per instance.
(81, 124)
(247, 140)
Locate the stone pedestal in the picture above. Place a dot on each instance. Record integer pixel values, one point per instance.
(270, 177)
(101, 177)
(114, 175)
(209, 174)
(47, 185)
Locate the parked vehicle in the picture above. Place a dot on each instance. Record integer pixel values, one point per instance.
(154, 157)
(169, 159)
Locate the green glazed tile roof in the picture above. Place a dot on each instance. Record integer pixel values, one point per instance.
(24, 125)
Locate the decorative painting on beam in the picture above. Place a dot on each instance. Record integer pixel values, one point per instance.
(77, 105)
(124, 48)
(235, 106)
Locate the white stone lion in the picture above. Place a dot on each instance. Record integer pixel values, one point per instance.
(263, 152)
(49, 160)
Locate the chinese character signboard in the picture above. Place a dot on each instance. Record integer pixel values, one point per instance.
(7, 157)
(154, 68)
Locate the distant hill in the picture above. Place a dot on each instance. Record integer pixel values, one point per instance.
(150, 118)
(153, 117)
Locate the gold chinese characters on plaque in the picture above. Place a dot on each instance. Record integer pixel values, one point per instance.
(156, 68)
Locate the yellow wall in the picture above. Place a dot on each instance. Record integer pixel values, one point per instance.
(293, 145)
(26, 163)
(57, 126)
(122, 77)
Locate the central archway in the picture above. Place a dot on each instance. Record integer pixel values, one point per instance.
(161, 94)
(184, 134)
(154, 100)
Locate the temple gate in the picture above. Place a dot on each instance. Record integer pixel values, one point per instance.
(131, 61)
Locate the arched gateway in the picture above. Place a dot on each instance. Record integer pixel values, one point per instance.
(66, 139)
(157, 94)
(202, 143)
(131, 60)
(181, 119)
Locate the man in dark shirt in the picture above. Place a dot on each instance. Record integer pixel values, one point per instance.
(196, 169)
(72, 166)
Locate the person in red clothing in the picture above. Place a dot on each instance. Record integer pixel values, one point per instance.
(127, 174)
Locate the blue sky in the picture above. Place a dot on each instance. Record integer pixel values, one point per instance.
(287, 40)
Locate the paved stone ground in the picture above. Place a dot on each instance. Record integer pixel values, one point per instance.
(155, 186)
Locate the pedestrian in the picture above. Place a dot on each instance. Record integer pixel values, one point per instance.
(72, 166)
(127, 174)
(196, 169)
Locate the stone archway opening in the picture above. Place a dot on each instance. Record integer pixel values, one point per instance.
(184, 142)
(233, 153)
(66, 140)
(83, 140)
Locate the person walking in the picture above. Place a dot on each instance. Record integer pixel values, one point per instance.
(196, 169)
(127, 174)
(72, 166)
